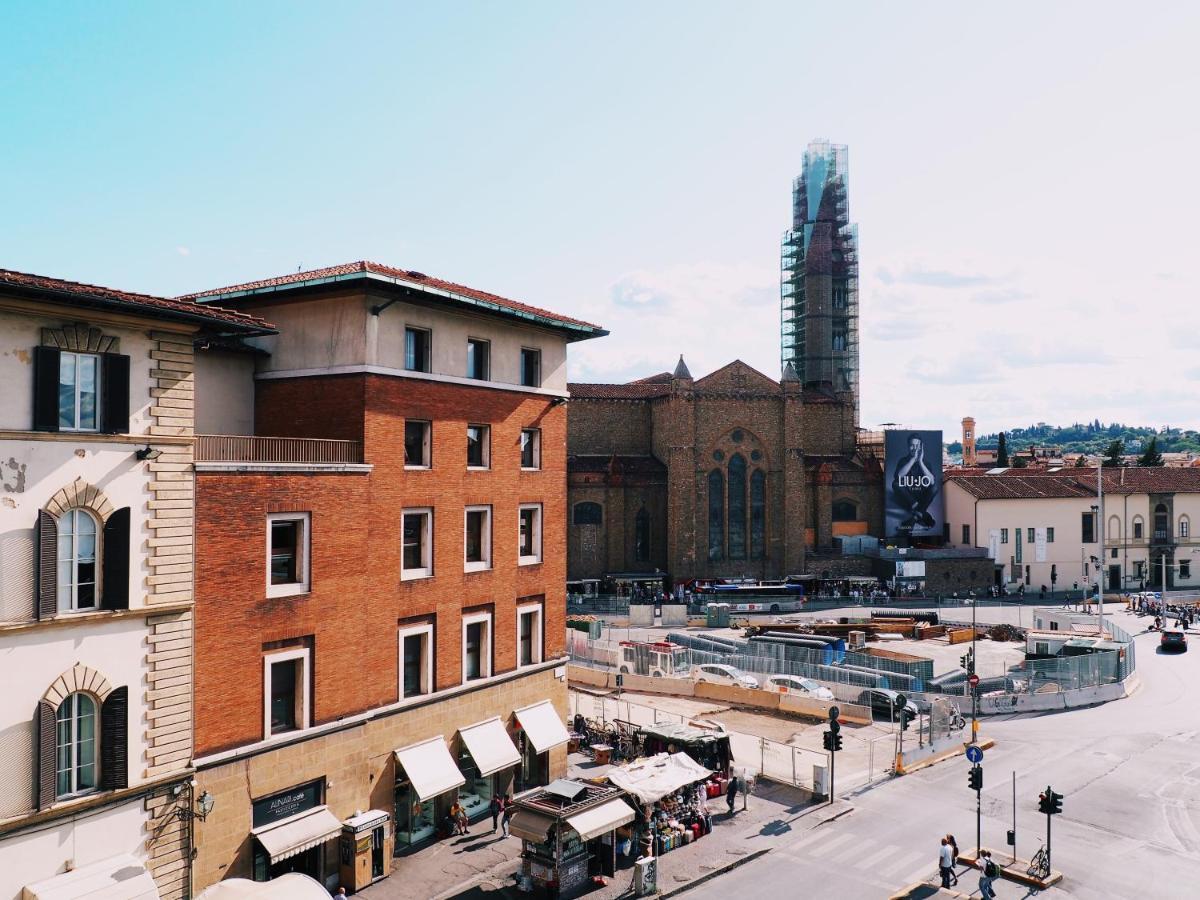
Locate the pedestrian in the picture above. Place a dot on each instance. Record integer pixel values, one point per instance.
(945, 862)
(497, 807)
(459, 814)
(341, 892)
(988, 872)
(953, 858)
(506, 814)
(731, 793)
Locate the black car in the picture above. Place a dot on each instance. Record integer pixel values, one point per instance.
(883, 703)
(1175, 641)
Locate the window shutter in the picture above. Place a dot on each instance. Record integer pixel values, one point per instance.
(46, 604)
(46, 754)
(45, 388)
(114, 388)
(115, 573)
(114, 740)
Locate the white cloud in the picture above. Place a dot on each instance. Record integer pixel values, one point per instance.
(183, 251)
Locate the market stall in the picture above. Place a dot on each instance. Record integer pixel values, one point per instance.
(706, 746)
(672, 792)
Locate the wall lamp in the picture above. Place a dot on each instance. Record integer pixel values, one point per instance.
(147, 453)
(558, 401)
(204, 805)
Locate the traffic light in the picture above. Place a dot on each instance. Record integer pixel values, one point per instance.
(837, 741)
(1050, 803)
(1044, 804)
(1055, 803)
(975, 778)
(827, 739)
(906, 716)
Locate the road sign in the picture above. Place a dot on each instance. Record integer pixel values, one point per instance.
(974, 754)
(973, 680)
(834, 712)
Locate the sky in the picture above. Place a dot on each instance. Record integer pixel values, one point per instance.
(1023, 176)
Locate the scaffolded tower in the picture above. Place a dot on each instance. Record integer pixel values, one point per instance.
(820, 277)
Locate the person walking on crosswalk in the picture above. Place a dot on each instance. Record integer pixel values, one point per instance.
(945, 862)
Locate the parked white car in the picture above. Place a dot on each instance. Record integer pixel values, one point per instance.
(717, 673)
(794, 684)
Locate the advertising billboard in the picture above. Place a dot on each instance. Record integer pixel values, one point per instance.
(913, 484)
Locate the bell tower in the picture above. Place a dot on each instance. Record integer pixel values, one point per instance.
(968, 441)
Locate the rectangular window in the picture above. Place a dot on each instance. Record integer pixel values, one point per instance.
(529, 634)
(1088, 528)
(477, 646)
(479, 452)
(286, 677)
(966, 534)
(531, 367)
(531, 448)
(78, 392)
(1049, 535)
(530, 532)
(417, 342)
(1137, 531)
(416, 660)
(1185, 568)
(1184, 527)
(1029, 535)
(839, 339)
(477, 554)
(418, 444)
(288, 543)
(1004, 535)
(478, 359)
(418, 544)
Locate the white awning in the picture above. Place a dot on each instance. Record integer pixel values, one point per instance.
(292, 886)
(490, 746)
(116, 878)
(430, 768)
(530, 825)
(601, 819)
(543, 725)
(651, 779)
(299, 833)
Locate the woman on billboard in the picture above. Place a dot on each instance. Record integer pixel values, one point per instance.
(914, 487)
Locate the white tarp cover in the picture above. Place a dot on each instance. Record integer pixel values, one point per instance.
(116, 878)
(652, 779)
(601, 819)
(299, 833)
(430, 767)
(292, 886)
(542, 724)
(490, 746)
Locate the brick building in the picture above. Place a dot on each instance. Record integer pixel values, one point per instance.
(381, 508)
(732, 474)
(96, 587)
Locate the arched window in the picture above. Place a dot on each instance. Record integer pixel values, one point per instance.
(1138, 528)
(1114, 528)
(716, 515)
(758, 514)
(641, 536)
(76, 747)
(76, 561)
(589, 513)
(845, 511)
(1185, 526)
(737, 506)
(1162, 523)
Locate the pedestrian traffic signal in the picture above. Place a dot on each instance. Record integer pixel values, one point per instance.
(1055, 803)
(827, 740)
(906, 716)
(1050, 803)
(1043, 804)
(975, 778)
(837, 741)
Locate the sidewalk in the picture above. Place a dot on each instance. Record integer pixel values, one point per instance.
(481, 865)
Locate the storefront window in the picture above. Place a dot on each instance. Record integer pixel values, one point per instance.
(535, 767)
(415, 820)
(476, 795)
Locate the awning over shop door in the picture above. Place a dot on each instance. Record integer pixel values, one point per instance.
(543, 726)
(430, 768)
(601, 819)
(299, 833)
(530, 825)
(116, 878)
(490, 746)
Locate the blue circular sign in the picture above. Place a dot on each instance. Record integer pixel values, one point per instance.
(974, 754)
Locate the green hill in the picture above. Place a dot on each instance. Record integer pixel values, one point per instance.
(1090, 437)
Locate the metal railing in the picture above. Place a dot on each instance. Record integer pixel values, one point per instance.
(251, 448)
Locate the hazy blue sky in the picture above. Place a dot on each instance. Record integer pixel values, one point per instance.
(1024, 176)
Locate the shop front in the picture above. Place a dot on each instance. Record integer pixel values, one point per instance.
(487, 759)
(294, 831)
(568, 834)
(427, 782)
(538, 730)
(366, 849)
(671, 792)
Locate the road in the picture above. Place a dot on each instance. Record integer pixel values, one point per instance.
(1129, 770)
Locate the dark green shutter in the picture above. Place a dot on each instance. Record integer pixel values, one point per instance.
(46, 755)
(114, 390)
(115, 573)
(46, 602)
(45, 388)
(114, 740)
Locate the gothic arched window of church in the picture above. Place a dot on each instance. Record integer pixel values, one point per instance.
(758, 514)
(845, 511)
(641, 536)
(716, 515)
(737, 506)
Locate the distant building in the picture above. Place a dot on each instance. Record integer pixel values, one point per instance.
(968, 442)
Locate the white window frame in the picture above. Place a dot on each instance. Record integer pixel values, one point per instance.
(536, 557)
(304, 548)
(487, 365)
(534, 610)
(425, 571)
(76, 356)
(485, 650)
(302, 679)
(487, 447)
(73, 788)
(1185, 526)
(71, 604)
(486, 539)
(537, 449)
(425, 629)
(426, 444)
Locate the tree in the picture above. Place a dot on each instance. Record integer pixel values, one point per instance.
(1113, 456)
(1019, 462)
(1151, 456)
(1081, 461)
(1002, 451)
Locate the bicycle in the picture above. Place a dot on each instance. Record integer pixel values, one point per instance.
(1039, 866)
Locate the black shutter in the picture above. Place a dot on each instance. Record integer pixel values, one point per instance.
(46, 602)
(115, 573)
(46, 755)
(45, 388)
(114, 390)
(114, 741)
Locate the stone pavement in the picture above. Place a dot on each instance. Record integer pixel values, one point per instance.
(481, 865)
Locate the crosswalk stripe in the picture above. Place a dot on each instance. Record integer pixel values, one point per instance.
(878, 857)
(846, 855)
(907, 861)
(824, 847)
(812, 839)
(921, 874)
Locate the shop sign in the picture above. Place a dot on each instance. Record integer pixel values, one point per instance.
(287, 803)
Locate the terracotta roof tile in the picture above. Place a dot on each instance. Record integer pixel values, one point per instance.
(91, 294)
(632, 391)
(1021, 484)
